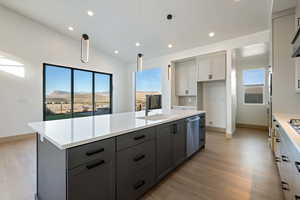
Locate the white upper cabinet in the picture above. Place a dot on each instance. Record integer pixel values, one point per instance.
(186, 78)
(211, 67)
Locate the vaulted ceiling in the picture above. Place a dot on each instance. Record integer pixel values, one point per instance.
(119, 24)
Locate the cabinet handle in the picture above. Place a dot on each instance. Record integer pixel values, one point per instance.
(297, 164)
(283, 184)
(277, 159)
(139, 184)
(210, 76)
(186, 91)
(174, 129)
(138, 158)
(277, 125)
(297, 197)
(284, 158)
(139, 137)
(90, 153)
(274, 120)
(91, 166)
(277, 140)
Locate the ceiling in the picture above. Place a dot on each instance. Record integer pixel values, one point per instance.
(280, 5)
(119, 24)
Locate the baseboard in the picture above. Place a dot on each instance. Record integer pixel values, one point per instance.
(16, 137)
(259, 127)
(215, 129)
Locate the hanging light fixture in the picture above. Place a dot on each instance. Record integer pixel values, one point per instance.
(169, 71)
(85, 45)
(139, 62)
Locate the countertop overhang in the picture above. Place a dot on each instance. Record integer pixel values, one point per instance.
(73, 132)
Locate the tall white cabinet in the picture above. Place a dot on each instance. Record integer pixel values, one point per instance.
(185, 74)
(211, 67)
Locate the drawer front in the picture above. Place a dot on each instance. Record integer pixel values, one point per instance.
(134, 138)
(93, 181)
(136, 184)
(134, 158)
(104, 149)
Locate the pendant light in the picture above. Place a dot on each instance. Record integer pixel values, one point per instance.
(169, 71)
(85, 45)
(139, 62)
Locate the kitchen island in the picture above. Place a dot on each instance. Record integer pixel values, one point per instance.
(116, 156)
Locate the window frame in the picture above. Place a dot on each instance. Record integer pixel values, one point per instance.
(254, 85)
(135, 81)
(72, 88)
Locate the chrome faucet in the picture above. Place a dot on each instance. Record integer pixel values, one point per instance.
(147, 108)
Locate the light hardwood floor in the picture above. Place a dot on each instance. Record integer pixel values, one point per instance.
(240, 168)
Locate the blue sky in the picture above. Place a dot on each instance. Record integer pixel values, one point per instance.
(58, 78)
(149, 80)
(254, 76)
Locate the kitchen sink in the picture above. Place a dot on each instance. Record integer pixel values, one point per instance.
(155, 117)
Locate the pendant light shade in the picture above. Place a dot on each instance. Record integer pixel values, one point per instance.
(139, 62)
(85, 46)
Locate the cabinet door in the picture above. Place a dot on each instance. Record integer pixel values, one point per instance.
(164, 150)
(186, 83)
(179, 142)
(218, 67)
(181, 80)
(203, 69)
(93, 181)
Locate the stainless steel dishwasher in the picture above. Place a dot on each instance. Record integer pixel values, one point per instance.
(195, 134)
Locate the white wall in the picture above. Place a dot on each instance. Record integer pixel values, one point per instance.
(285, 99)
(250, 114)
(227, 46)
(34, 44)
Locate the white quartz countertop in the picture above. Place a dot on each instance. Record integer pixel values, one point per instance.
(283, 120)
(69, 133)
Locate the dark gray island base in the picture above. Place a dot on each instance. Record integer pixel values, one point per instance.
(124, 167)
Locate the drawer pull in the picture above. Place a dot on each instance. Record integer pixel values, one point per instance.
(297, 197)
(139, 157)
(284, 158)
(175, 129)
(139, 184)
(277, 140)
(139, 137)
(91, 166)
(277, 125)
(277, 159)
(90, 153)
(297, 164)
(285, 186)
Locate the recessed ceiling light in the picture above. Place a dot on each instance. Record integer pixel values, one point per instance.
(237, 0)
(116, 51)
(90, 13)
(71, 28)
(211, 34)
(170, 46)
(137, 44)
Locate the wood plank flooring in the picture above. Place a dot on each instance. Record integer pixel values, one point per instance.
(241, 168)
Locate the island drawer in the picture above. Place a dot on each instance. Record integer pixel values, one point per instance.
(104, 149)
(132, 159)
(134, 138)
(136, 184)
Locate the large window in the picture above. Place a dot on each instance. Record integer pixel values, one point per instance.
(254, 84)
(148, 82)
(70, 92)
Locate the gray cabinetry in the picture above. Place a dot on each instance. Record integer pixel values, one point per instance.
(164, 149)
(170, 147)
(136, 164)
